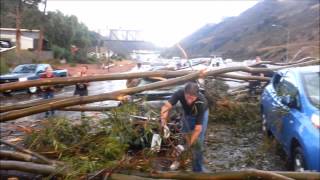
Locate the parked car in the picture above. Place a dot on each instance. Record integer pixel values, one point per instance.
(217, 62)
(6, 45)
(25, 72)
(290, 112)
(227, 61)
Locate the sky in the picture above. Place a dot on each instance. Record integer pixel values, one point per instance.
(162, 22)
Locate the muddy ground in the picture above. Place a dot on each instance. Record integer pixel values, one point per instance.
(230, 147)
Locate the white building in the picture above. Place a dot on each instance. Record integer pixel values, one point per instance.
(29, 37)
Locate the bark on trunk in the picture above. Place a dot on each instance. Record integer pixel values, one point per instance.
(118, 95)
(31, 167)
(21, 106)
(86, 108)
(40, 157)
(166, 74)
(12, 155)
(18, 24)
(115, 95)
(244, 174)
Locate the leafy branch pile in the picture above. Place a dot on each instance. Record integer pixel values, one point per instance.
(86, 148)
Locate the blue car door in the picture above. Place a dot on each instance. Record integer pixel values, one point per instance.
(268, 100)
(276, 108)
(288, 114)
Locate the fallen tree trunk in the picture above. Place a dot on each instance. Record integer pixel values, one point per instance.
(118, 95)
(31, 167)
(229, 175)
(26, 105)
(166, 74)
(12, 155)
(245, 78)
(21, 149)
(284, 64)
(87, 108)
(21, 106)
(115, 95)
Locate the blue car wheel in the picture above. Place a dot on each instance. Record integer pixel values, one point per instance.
(298, 160)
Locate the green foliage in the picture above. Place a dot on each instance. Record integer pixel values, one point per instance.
(4, 68)
(83, 147)
(87, 147)
(223, 109)
(214, 91)
(72, 64)
(58, 52)
(92, 60)
(118, 57)
(11, 59)
(245, 115)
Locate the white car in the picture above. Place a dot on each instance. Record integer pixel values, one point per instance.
(216, 62)
(228, 61)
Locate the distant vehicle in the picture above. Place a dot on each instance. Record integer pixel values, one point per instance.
(228, 61)
(290, 112)
(176, 58)
(216, 62)
(6, 45)
(25, 72)
(248, 62)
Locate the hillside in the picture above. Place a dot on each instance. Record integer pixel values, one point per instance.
(251, 33)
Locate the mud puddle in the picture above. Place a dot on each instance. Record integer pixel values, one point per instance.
(230, 147)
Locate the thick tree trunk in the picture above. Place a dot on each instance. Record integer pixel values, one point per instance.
(87, 108)
(115, 95)
(40, 43)
(12, 155)
(18, 24)
(31, 167)
(7, 108)
(40, 157)
(166, 74)
(230, 175)
(118, 95)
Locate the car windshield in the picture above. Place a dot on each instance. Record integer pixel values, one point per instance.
(311, 85)
(30, 68)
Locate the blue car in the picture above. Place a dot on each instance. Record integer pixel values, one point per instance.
(26, 72)
(290, 112)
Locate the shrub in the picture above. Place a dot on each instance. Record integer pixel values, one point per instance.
(58, 52)
(4, 68)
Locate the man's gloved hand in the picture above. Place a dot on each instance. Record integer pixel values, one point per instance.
(166, 131)
(179, 149)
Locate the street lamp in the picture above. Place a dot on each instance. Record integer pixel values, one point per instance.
(288, 35)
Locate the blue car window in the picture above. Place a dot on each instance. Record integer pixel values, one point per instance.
(286, 88)
(276, 80)
(311, 83)
(26, 68)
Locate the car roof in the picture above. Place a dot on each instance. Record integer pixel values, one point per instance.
(299, 70)
(32, 64)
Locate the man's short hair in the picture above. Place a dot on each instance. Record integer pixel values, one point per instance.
(192, 89)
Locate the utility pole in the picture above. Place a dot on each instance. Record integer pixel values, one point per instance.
(18, 24)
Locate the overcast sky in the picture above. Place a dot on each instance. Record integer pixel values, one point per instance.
(161, 22)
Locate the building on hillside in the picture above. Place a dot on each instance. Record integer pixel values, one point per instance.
(100, 52)
(144, 55)
(29, 38)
